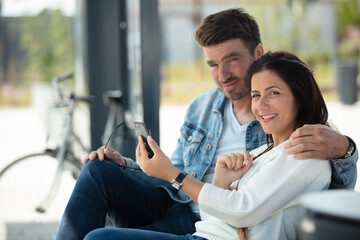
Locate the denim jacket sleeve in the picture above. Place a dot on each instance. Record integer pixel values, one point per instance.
(131, 163)
(344, 172)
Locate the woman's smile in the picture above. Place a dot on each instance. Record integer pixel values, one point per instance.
(268, 117)
(273, 105)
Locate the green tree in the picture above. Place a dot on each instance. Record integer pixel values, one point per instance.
(48, 40)
(348, 27)
(348, 15)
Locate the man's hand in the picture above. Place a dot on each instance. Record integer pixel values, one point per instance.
(317, 141)
(103, 154)
(158, 165)
(231, 167)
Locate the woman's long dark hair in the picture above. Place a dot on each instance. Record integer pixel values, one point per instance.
(299, 77)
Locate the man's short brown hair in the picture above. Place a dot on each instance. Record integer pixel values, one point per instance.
(229, 24)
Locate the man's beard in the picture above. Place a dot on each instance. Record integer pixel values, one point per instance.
(238, 96)
(234, 94)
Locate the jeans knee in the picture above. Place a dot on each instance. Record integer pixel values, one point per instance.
(98, 167)
(95, 235)
(106, 234)
(98, 171)
(91, 164)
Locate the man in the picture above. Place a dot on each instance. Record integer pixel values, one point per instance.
(218, 121)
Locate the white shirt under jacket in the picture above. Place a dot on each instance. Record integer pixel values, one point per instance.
(267, 199)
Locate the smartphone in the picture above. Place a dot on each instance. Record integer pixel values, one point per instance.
(143, 131)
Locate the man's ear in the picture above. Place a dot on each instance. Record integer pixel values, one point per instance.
(259, 51)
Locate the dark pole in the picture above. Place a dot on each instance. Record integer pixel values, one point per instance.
(102, 65)
(150, 65)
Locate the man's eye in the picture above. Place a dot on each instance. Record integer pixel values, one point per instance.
(233, 60)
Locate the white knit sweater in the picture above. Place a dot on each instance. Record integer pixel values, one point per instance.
(267, 199)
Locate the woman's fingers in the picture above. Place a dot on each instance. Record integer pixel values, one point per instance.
(236, 161)
(248, 160)
(232, 160)
(239, 161)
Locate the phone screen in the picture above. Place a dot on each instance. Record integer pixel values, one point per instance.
(143, 131)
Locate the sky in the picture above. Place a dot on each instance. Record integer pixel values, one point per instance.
(12, 8)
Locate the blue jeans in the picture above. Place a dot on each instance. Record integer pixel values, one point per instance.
(135, 234)
(129, 198)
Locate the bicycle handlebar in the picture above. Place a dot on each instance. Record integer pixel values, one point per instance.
(70, 96)
(62, 77)
(89, 99)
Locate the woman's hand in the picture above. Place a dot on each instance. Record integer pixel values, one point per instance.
(105, 154)
(159, 165)
(231, 167)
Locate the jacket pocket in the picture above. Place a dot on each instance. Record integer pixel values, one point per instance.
(193, 136)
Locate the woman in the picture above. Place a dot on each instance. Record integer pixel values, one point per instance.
(265, 200)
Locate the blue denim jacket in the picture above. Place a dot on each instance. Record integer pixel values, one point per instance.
(201, 132)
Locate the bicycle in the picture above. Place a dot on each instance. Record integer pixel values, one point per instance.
(38, 185)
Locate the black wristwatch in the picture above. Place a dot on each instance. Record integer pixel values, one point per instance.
(351, 149)
(177, 182)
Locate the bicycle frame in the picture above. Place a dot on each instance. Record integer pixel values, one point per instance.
(62, 152)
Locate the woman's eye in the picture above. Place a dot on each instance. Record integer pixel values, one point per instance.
(274, 93)
(255, 95)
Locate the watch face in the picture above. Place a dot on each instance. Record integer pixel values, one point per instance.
(176, 185)
(177, 182)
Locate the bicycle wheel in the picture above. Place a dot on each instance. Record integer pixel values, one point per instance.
(25, 186)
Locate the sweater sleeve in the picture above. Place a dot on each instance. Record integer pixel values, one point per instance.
(274, 182)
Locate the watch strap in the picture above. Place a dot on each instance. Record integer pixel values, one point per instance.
(177, 182)
(351, 149)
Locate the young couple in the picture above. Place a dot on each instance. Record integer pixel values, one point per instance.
(280, 91)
